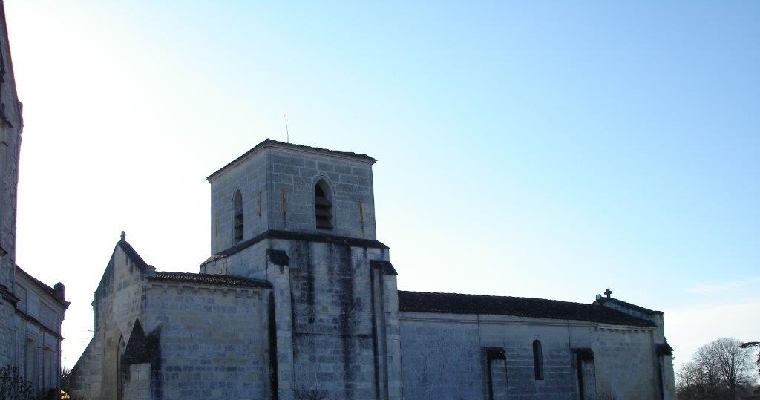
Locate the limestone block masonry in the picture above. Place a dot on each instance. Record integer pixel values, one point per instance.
(299, 300)
(175, 335)
(277, 185)
(31, 312)
(11, 126)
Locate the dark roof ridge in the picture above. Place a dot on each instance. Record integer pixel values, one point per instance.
(131, 255)
(209, 279)
(479, 304)
(274, 143)
(498, 296)
(38, 282)
(134, 256)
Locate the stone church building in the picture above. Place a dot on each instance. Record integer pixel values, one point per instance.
(299, 301)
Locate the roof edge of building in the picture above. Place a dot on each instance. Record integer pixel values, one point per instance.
(269, 143)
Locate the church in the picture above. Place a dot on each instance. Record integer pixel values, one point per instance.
(299, 300)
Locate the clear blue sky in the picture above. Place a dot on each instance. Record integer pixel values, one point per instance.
(535, 149)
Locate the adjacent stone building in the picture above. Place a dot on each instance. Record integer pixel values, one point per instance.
(299, 301)
(31, 312)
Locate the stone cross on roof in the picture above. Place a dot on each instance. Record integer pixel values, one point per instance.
(124, 236)
(608, 292)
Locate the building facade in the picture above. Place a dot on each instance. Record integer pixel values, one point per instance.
(31, 312)
(299, 301)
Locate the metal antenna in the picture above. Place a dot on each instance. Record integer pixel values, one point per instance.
(287, 134)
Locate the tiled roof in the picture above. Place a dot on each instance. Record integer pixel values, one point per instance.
(274, 143)
(36, 281)
(207, 279)
(454, 303)
(47, 289)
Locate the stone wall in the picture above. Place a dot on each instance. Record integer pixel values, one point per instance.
(197, 337)
(441, 359)
(336, 316)
(622, 356)
(446, 356)
(11, 125)
(277, 186)
(333, 338)
(139, 384)
(36, 346)
(251, 179)
(213, 340)
(117, 305)
(87, 381)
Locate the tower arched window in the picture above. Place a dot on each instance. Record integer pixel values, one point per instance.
(238, 200)
(323, 205)
(538, 360)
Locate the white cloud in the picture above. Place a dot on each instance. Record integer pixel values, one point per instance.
(690, 327)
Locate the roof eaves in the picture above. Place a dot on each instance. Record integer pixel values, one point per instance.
(313, 237)
(269, 143)
(208, 279)
(49, 290)
(454, 303)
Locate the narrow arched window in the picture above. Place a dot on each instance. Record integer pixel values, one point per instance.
(538, 361)
(323, 205)
(238, 200)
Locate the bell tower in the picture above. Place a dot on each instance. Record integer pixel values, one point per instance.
(303, 218)
(291, 188)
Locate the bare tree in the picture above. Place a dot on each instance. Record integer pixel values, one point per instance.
(717, 371)
(754, 344)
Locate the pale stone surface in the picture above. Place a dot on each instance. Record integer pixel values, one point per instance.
(36, 342)
(11, 125)
(442, 358)
(138, 385)
(213, 337)
(30, 312)
(327, 319)
(277, 185)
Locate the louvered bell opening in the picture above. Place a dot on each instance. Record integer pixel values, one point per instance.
(323, 212)
(238, 227)
(322, 201)
(322, 209)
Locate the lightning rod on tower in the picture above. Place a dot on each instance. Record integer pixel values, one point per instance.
(287, 134)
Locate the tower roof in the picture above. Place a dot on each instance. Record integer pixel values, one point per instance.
(269, 143)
